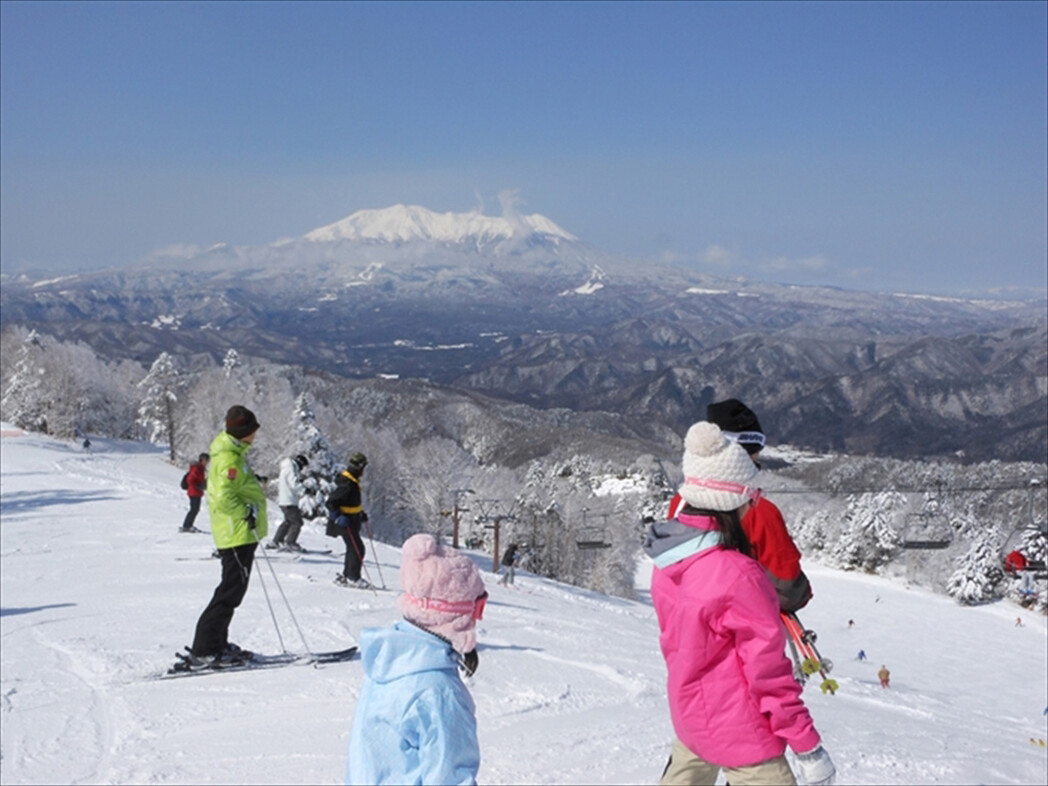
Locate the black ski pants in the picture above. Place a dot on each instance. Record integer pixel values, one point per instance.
(289, 528)
(354, 548)
(194, 508)
(212, 630)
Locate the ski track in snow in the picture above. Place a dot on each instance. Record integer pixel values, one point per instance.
(571, 685)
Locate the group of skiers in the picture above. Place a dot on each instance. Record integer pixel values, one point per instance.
(239, 523)
(725, 567)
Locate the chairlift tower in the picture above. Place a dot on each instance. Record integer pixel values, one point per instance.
(492, 510)
(456, 509)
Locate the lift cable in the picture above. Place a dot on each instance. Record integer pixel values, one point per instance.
(900, 489)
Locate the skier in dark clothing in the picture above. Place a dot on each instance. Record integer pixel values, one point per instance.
(346, 516)
(509, 562)
(196, 485)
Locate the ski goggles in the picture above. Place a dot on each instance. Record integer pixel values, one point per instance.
(475, 608)
(752, 494)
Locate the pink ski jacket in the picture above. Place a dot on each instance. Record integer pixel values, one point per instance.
(733, 699)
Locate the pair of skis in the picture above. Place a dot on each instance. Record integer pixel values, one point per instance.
(185, 666)
(807, 661)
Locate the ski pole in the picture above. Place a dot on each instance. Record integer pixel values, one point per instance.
(247, 574)
(374, 554)
(363, 565)
(287, 603)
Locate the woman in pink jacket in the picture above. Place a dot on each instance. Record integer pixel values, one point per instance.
(733, 699)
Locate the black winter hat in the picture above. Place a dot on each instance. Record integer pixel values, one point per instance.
(738, 422)
(241, 421)
(358, 460)
(302, 461)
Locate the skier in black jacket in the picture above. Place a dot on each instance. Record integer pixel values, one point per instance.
(346, 515)
(509, 562)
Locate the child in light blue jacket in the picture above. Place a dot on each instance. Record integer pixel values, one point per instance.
(415, 722)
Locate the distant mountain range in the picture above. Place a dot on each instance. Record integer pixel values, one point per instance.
(518, 308)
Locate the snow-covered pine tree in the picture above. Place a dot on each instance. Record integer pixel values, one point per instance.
(231, 362)
(156, 411)
(869, 540)
(978, 572)
(810, 534)
(24, 400)
(310, 441)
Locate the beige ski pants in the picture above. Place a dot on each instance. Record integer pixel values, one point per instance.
(686, 769)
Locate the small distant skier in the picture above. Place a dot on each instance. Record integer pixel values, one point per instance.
(415, 721)
(87, 445)
(196, 485)
(1018, 622)
(884, 676)
(345, 519)
(862, 654)
(509, 562)
(289, 491)
(851, 623)
(237, 505)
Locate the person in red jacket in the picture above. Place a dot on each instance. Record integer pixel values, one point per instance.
(1015, 562)
(765, 527)
(196, 483)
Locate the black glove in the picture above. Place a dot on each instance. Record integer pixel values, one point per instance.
(469, 663)
(251, 523)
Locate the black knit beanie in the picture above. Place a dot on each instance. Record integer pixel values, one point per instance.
(241, 422)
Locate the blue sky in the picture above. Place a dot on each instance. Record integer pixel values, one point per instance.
(866, 145)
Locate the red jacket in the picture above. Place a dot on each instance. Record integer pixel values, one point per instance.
(197, 480)
(773, 548)
(1014, 561)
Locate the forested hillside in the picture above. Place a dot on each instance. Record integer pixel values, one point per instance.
(574, 488)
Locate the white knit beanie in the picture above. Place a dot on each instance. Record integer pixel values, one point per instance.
(718, 473)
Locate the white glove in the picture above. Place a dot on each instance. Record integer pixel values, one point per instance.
(816, 767)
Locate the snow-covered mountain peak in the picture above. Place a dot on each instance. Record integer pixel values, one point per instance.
(403, 223)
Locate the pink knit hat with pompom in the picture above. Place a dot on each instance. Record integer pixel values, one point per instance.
(442, 588)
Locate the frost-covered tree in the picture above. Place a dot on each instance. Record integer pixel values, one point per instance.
(25, 397)
(429, 472)
(65, 389)
(156, 411)
(978, 572)
(231, 362)
(310, 441)
(810, 533)
(869, 539)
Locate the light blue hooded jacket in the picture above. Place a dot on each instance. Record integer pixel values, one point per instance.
(415, 722)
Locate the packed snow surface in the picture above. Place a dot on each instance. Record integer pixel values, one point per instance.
(99, 590)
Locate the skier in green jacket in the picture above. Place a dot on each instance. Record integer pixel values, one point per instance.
(237, 505)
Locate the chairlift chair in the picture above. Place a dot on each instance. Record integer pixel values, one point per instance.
(1019, 539)
(591, 538)
(928, 531)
